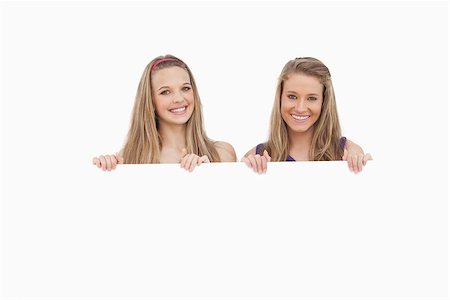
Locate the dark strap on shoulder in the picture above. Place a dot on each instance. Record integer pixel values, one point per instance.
(259, 148)
(342, 142)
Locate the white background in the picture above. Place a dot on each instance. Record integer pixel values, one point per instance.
(70, 71)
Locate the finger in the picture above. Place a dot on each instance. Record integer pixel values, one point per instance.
(264, 164)
(360, 162)
(253, 164)
(108, 162)
(189, 161)
(184, 159)
(99, 163)
(267, 156)
(102, 162)
(113, 161)
(258, 163)
(267, 159)
(349, 163)
(355, 164)
(183, 152)
(194, 163)
(344, 157)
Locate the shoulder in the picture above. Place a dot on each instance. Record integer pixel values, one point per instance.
(225, 151)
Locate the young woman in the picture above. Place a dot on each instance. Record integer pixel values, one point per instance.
(304, 123)
(167, 124)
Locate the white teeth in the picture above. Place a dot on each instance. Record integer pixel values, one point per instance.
(300, 117)
(177, 110)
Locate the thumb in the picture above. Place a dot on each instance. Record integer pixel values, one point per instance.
(95, 160)
(183, 152)
(119, 158)
(203, 159)
(246, 161)
(366, 158)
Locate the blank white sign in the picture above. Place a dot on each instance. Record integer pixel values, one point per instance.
(300, 230)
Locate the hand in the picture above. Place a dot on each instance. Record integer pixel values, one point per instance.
(356, 160)
(190, 161)
(257, 162)
(108, 162)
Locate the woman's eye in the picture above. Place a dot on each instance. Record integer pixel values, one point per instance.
(166, 92)
(186, 88)
(312, 98)
(292, 97)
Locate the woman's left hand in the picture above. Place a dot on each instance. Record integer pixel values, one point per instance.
(355, 157)
(190, 161)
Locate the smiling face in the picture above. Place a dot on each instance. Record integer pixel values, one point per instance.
(173, 96)
(301, 102)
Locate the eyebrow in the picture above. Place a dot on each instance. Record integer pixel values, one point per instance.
(166, 87)
(309, 94)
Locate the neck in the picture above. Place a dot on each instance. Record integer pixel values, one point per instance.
(173, 136)
(299, 144)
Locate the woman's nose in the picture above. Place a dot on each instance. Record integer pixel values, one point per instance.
(178, 97)
(300, 105)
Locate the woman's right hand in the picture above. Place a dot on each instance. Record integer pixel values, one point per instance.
(108, 162)
(257, 162)
(190, 161)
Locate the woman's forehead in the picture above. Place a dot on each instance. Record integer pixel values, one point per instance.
(170, 76)
(303, 82)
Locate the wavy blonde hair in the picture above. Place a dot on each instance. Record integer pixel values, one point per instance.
(143, 143)
(327, 131)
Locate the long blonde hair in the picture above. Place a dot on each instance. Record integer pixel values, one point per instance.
(143, 143)
(327, 131)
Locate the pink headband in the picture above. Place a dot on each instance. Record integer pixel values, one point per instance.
(160, 61)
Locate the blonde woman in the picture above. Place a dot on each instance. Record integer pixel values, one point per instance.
(167, 124)
(304, 123)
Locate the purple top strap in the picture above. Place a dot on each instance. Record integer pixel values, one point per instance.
(342, 142)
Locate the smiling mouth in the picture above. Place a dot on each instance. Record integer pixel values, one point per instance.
(300, 118)
(179, 110)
